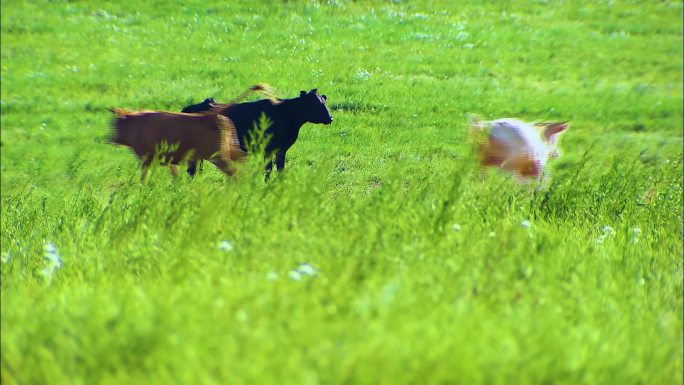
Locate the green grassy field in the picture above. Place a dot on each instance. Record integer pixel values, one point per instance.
(382, 255)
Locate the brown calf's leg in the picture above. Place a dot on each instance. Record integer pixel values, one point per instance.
(145, 165)
(224, 166)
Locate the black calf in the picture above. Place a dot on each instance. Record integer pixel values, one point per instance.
(287, 116)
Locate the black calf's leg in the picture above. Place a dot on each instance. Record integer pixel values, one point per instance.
(206, 105)
(280, 160)
(268, 167)
(192, 167)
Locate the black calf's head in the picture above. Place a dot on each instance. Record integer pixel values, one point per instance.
(206, 105)
(313, 107)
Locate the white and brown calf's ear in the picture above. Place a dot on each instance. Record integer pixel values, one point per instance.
(551, 134)
(552, 130)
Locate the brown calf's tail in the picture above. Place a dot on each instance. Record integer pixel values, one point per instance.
(262, 88)
(229, 142)
(265, 89)
(119, 112)
(114, 125)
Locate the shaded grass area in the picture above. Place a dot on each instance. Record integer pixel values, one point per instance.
(425, 269)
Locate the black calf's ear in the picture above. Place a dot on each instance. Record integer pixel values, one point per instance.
(314, 91)
(302, 93)
(324, 97)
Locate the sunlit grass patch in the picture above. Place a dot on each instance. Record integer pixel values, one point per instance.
(382, 254)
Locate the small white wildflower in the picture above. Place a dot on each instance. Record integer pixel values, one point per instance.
(362, 74)
(307, 269)
(54, 260)
(53, 257)
(272, 276)
(635, 234)
(456, 227)
(241, 316)
(6, 257)
(462, 35)
(396, 14)
(468, 46)
(226, 246)
(526, 224)
(50, 248)
(302, 270)
(607, 230)
(47, 272)
(295, 275)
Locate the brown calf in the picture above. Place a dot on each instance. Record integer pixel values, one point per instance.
(176, 137)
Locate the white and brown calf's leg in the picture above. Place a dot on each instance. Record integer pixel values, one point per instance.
(494, 152)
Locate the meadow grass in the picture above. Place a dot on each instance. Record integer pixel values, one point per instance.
(382, 255)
